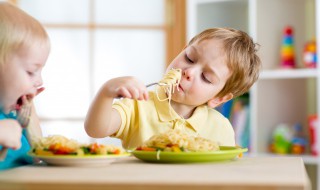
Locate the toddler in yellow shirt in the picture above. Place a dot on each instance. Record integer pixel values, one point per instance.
(217, 65)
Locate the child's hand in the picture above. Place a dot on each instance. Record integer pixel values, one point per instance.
(10, 134)
(24, 113)
(126, 87)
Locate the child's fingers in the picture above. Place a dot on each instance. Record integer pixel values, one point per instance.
(28, 99)
(123, 93)
(24, 100)
(146, 95)
(143, 94)
(134, 92)
(24, 114)
(16, 146)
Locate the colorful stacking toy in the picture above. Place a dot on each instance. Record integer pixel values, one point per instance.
(287, 49)
(310, 54)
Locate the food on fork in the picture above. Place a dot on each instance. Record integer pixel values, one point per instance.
(60, 145)
(172, 77)
(171, 80)
(178, 141)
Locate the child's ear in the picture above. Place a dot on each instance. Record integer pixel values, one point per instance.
(214, 102)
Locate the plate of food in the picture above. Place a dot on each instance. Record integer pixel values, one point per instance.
(74, 160)
(61, 151)
(225, 153)
(178, 147)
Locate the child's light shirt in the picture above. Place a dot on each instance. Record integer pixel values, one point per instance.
(143, 119)
(18, 157)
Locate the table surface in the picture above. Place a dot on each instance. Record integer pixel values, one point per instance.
(243, 173)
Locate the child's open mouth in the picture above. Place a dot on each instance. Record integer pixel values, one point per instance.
(19, 103)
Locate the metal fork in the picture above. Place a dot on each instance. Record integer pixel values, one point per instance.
(23, 117)
(151, 84)
(155, 83)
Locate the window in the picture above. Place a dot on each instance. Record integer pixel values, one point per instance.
(95, 40)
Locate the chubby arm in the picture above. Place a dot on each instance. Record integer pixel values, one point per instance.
(11, 130)
(10, 133)
(102, 120)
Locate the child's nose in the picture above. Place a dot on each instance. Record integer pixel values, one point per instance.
(38, 82)
(187, 73)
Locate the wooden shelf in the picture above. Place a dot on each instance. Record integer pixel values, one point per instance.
(288, 74)
(286, 96)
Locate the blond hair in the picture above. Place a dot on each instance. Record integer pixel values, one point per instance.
(241, 58)
(17, 30)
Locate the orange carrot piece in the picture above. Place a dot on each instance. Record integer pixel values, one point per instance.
(148, 149)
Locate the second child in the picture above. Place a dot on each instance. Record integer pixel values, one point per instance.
(24, 49)
(217, 65)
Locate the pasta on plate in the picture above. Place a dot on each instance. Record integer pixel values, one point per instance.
(60, 145)
(178, 141)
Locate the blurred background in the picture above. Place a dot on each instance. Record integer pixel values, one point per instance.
(95, 40)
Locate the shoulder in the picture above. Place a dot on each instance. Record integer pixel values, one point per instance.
(220, 129)
(210, 117)
(213, 113)
(217, 119)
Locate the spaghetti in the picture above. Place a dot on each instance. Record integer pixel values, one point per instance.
(178, 141)
(60, 145)
(169, 82)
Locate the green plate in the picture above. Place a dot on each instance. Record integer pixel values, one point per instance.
(74, 160)
(225, 153)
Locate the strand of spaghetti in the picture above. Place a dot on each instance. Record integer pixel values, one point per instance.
(170, 80)
(168, 83)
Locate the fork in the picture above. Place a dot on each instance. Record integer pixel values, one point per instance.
(23, 117)
(155, 83)
(172, 77)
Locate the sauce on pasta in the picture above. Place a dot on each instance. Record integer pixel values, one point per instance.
(60, 145)
(178, 141)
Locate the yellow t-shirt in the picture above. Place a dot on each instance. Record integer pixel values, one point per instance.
(143, 119)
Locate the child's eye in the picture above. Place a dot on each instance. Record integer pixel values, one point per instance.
(188, 59)
(204, 78)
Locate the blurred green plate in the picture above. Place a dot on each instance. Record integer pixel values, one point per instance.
(74, 160)
(225, 153)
